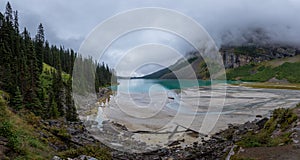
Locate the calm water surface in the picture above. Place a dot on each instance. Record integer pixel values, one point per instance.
(144, 85)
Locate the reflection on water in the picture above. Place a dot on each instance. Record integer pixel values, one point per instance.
(143, 85)
(145, 97)
(153, 92)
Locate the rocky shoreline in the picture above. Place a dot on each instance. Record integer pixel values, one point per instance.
(216, 146)
(282, 129)
(221, 145)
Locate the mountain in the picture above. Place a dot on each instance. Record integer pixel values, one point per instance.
(183, 68)
(235, 58)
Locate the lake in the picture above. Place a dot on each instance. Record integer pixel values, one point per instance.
(143, 85)
(157, 112)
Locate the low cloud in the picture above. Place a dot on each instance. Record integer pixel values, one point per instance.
(230, 22)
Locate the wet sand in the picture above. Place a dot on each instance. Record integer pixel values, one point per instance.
(160, 120)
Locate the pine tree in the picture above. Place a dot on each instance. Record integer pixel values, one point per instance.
(1, 19)
(16, 22)
(57, 89)
(3, 52)
(47, 53)
(33, 81)
(44, 102)
(53, 110)
(71, 114)
(17, 101)
(23, 69)
(7, 35)
(9, 12)
(39, 46)
(6, 71)
(60, 96)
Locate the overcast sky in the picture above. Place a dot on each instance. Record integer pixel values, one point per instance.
(67, 22)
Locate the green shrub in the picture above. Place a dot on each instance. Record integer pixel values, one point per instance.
(21, 137)
(242, 71)
(284, 117)
(236, 157)
(250, 140)
(282, 120)
(8, 131)
(289, 71)
(94, 151)
(262, 73)
(61, 132)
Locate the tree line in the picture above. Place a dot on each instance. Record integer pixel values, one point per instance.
(47, 92)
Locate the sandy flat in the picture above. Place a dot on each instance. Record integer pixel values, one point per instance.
(201, 110)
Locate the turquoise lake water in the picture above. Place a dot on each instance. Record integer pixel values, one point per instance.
(144, 85)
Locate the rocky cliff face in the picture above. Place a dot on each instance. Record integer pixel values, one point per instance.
(239, 56)
(233, 57)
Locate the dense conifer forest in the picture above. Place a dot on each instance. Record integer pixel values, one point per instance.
(37, 75)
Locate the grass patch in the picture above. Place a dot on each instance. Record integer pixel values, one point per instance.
(281, 120)
(94, 151)
(263, 72)
(236, 157)
(60, 132)
(289, 71)
(46, 74)
(269, 85)
(21, 137)
(249, 51)
(239, 72)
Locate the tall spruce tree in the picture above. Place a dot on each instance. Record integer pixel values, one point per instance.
(33, 85)
(71, 114)
(39, 46)
(17, 101)
(60, 96)
(9, 13)
(53, 109)
(1, 19)
(16, 22)
(58, 91)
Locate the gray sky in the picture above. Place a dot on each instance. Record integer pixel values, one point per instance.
(227, 21)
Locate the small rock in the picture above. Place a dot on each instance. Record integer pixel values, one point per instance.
(281, 144)
(262, 123)
(258, 116)
(296, 146)
(90, 122)
(56, 158)
(295, 141)
(174, 143)
(84, 157)
(156, 157)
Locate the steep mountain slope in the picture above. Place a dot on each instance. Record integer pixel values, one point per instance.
(278, 70)
(183, 68)
(239, 61)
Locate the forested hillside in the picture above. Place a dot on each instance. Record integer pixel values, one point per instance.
(25, 73)
(36, 86)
